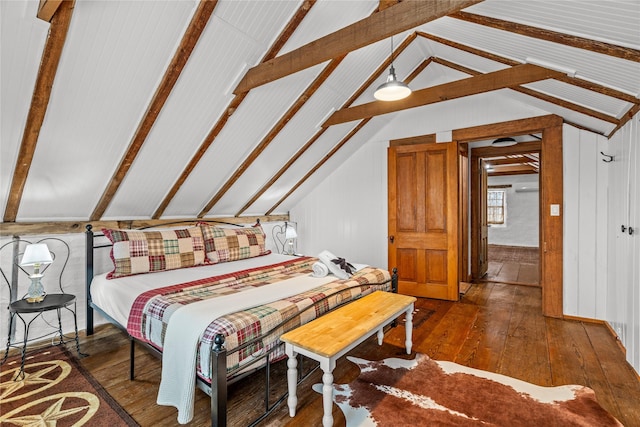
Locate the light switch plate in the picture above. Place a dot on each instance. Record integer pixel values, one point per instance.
(555, 210)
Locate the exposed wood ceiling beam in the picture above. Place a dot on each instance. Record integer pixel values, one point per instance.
(318, 165)
(284, 36)
(39, 103)
(383, 4)
(514, 172)
(350, 101)
(353, 132)
(521, 148)
(68, 227)
(536, 94)
(48, 8)
(507, 78)
(393, 20)
(183, 52)
(624, 119)
(563, 77)
(508, 161)
(552, 36)
(271, 135)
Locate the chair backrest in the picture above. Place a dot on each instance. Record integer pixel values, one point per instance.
(16, 278)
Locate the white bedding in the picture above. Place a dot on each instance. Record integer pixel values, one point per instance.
(116, 296)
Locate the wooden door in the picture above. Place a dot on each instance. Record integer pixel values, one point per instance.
(423, 213)
(483, 250)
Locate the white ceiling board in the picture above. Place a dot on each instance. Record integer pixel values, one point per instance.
(362, 137)
(586, 98)
(338, 87)
(606, 70)
(259, 111)
(101, 91)
(195, 105)
(596, 125)
(22, 37)
(326, 17)
(615, 22)
(461, 57)
(308, 160)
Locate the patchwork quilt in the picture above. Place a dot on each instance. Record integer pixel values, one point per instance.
(249, 333)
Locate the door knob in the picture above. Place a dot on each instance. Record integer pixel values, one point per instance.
(391, 239)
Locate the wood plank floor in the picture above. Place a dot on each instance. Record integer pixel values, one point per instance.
(514, 265)
(495, 327)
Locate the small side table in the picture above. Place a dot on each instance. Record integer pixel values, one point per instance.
(50, 302)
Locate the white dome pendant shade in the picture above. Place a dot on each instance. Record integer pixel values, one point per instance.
(392, 89)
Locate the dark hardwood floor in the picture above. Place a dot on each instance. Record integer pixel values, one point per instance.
(514, 265)
(495, 327)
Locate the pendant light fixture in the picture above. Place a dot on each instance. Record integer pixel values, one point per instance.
(392, 89)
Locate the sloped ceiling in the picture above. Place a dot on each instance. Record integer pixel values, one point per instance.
(175, 109)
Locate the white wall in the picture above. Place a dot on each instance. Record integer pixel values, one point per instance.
(623, 208)
(522, 213)
(347, 213)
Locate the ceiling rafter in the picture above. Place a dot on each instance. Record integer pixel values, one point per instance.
(625, 118)
(48, 8)
(392, 20)
(507, 78)
(172, 73)
(271, 135)
(318, 165)
(317, 135)
(552, 36)
(284, 36)
(562, 77)
(534, 93)
(350, 135)
(39, 103)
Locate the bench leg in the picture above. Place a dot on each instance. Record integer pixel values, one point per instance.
(408, 326)
(327, 399)
(380, 336)
(292, 381)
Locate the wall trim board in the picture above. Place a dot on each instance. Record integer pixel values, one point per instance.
(66, 227)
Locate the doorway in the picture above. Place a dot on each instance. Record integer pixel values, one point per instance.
(506, 193)
(466, 247)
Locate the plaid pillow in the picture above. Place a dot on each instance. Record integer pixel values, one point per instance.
(135, 252)
(230, 244)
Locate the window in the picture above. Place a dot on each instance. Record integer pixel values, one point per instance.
(496, 207)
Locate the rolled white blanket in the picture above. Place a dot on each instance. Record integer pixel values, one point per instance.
(320, 270)
(326, 257)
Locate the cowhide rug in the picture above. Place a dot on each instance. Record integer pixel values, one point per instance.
(399, 392)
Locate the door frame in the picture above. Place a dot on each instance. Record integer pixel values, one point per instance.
(551, 193)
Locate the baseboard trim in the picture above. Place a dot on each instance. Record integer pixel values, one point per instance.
(600, 322)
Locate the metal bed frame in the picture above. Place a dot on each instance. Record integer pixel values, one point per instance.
(220, 377)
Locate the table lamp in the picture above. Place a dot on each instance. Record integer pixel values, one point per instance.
(289, 235)
(36, 255)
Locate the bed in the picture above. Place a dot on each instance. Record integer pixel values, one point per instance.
(212, 302)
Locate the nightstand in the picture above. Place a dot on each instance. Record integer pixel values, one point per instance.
(51, 302)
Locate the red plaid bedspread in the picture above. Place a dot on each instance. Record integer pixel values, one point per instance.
(152, 310)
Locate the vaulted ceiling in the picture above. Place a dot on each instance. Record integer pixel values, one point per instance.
(182, 109)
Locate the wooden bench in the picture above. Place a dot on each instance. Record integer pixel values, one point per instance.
(329, 337)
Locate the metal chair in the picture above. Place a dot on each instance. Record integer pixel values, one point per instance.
(15, 276)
